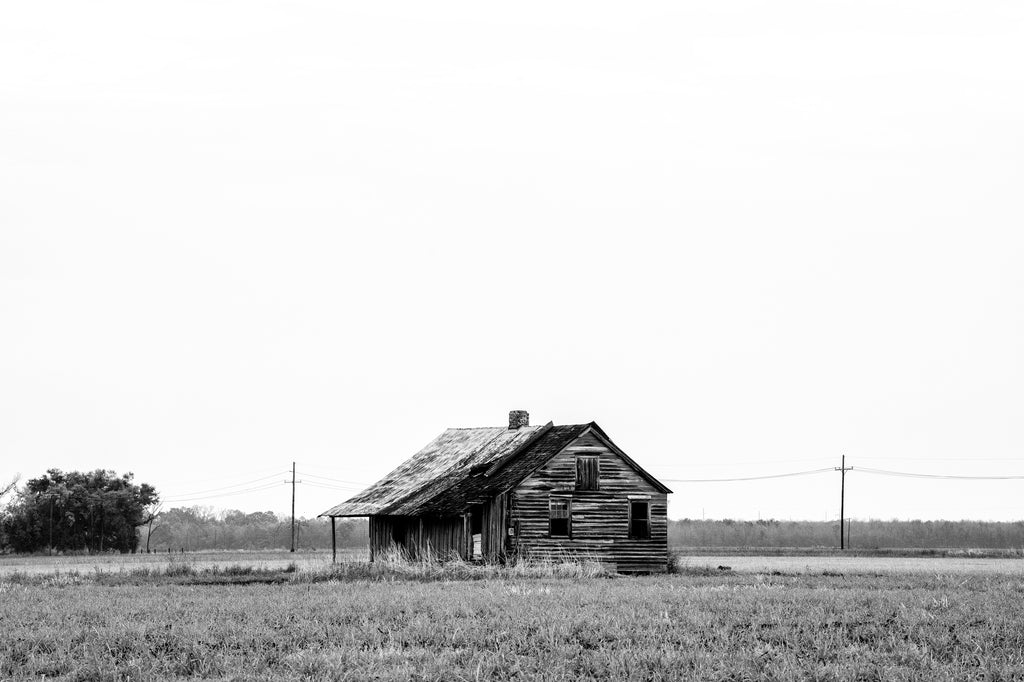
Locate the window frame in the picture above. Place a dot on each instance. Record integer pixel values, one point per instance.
(560, 500)
(582, 459)
(646, 535)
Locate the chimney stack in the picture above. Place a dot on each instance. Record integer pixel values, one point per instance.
(518, 419)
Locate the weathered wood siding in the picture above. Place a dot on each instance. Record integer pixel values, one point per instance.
(599, 518)
(419, 537)
(495, 529)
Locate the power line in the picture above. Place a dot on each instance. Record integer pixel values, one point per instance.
(347, 489)
(908, 474)
(756, 462)
(946, 459)
(228, 487)
(747, 478)
(337, 480)
(267, 486)
(199, 481)
(362, 466)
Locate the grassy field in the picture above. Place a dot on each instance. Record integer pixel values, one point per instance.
(878, 565)
(748, 562)
(116, 562)
(356, 622)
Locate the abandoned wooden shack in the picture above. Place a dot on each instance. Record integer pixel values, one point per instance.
(539, 492)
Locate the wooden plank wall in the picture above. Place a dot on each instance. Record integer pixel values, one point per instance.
(494, 542)
(600, 519)
(444, 538)
(418, 537)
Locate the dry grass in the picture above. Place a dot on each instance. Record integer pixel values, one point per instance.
(115, 562)
(881, 565)
(394, 567)
(468, 622)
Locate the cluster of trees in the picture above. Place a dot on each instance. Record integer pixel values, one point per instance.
(870, 534)
(101, 511)
(92, 511)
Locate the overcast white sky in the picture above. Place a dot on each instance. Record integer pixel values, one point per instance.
(744, 237)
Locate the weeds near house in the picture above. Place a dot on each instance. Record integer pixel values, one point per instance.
(391, 568)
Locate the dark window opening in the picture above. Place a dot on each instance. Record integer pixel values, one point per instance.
(476, 525)
(588, 473)
(640, 520)
(558, 518)
(476, 519)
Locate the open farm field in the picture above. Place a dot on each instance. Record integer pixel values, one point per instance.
(40, 564)
(409, 624)
(749, 562)
(884, 565)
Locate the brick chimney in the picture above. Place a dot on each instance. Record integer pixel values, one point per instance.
(518, 419)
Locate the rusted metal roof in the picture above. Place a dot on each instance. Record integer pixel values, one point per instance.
(442, 464)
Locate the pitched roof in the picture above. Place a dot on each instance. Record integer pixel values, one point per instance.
(463, 466)
(486, 478)
(444, 461)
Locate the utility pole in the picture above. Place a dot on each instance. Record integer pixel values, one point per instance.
(293, 506)
(842, 502)
(50, 550)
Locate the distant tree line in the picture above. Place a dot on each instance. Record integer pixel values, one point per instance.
(869, 534)
(101, 511)
(199, 528)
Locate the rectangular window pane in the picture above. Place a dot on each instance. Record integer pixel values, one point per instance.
(639, 520)
(587, 473)
(558, 517)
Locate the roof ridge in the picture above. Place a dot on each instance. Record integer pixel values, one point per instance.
(479, 428)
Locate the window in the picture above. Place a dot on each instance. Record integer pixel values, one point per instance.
(588, 473)
(639, 519)
(558, 517)
(476, 524)
(476, 519)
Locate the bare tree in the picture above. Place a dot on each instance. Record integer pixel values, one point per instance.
(8, 487)
(151, 515)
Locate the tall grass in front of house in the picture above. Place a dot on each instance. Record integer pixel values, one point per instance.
(390, 566)
(396, 565)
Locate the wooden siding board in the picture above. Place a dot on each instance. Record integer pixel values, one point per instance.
(417, 537)
(495, 529)
(600, 518)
